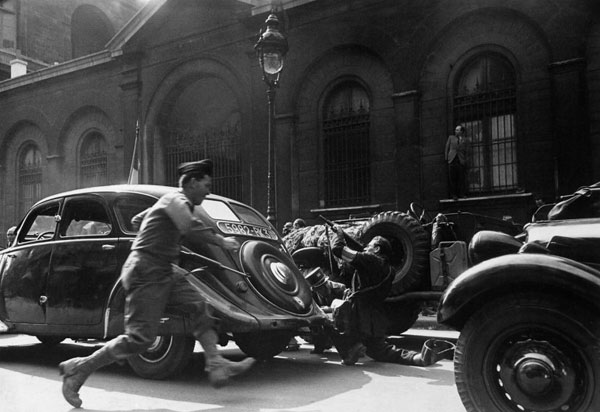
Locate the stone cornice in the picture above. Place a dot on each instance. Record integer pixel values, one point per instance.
(57, 70)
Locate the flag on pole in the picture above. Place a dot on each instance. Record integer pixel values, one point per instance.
(134, 170)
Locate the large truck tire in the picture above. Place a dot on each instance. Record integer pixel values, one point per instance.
(410, 246)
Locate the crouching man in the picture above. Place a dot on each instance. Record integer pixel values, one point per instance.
(366, 326)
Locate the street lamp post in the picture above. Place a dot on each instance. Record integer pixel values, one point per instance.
(271, 49)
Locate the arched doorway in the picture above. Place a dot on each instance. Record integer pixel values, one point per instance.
(201, 119)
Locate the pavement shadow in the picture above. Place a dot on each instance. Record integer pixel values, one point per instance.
(292, 380)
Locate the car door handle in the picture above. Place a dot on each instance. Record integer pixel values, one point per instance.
(108, 247)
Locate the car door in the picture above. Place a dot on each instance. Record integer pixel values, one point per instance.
(26, 265)
(84, 265)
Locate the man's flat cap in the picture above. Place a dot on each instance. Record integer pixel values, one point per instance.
(201, 167)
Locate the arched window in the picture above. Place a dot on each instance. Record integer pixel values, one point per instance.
(346, 146)
(30, 177)
(214, 132)
(90, 30)
(93, 161)
(485, 102)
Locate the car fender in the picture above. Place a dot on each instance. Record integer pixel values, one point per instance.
(517, 272)
(174, 321)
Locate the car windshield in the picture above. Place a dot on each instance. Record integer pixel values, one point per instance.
(40, 223)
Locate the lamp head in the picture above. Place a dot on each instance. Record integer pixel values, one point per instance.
(271, 49)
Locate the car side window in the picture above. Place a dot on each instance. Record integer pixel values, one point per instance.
(40, 224)
(84, 217)
(127, 206)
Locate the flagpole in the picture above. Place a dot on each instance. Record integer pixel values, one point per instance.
(134, 169)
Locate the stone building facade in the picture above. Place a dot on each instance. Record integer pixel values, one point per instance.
(368, 95)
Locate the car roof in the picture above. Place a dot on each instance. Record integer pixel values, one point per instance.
(153, 190)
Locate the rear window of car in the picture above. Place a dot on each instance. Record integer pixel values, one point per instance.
(219, 210)
(248, 215)
(127, 206)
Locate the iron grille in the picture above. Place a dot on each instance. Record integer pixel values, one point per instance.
(30, 186)
(346, 158)
(489, 117)
(222, 146)
(93, 169)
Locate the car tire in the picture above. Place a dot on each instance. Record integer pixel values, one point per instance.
(410, 245)
(50, 340)
(401, 316)
(263, 345)
(276, 277)
(527, 353)
(167, 356)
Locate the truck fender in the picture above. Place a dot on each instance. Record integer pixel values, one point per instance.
(509, 273)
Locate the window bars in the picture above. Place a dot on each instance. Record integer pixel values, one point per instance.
(346, 147)
(221, 145)
(93, 161)
(486, 105)
(30, 179)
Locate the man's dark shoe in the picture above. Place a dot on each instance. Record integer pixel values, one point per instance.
(353, 354)
(75, 372)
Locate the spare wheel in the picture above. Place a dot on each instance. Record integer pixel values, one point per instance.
(275, 276)
(410, 248)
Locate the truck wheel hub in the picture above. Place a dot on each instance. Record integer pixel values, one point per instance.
(534, 376)
(537, 376)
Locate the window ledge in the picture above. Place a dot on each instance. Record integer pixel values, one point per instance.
(346, 209)
(351, 211)
(466, 200)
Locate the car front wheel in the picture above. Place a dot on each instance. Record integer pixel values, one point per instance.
(263, 344)
(528, 353)
(50, 340)
(167, 356)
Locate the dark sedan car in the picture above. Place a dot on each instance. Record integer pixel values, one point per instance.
(60, 278)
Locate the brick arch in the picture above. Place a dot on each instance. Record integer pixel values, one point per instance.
(76, 127)
(167, 92)
(88, 101)
(340, 63)
(24, 115)
(372, 40)
(479, 51)
(497, 29)
(21, 135)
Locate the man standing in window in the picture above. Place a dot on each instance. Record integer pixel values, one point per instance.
(456, 154)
